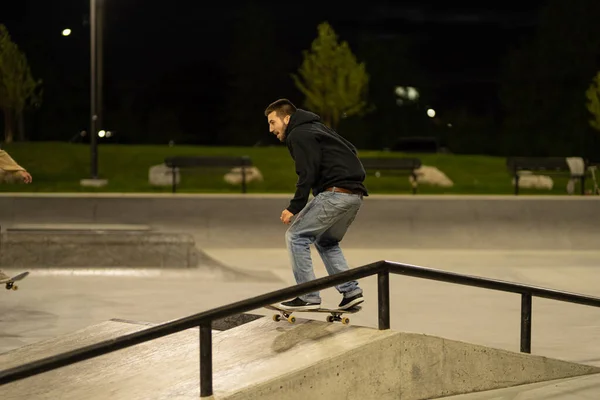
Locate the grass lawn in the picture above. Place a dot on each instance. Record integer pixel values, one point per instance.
(59, 167)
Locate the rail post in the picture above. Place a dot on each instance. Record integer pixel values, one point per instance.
(526, 323)
(383, 294)
(206, 378)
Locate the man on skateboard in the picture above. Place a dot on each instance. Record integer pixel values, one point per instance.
(327, 164)
(9, 165)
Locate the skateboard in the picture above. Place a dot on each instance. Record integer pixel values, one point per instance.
(336, 313)
(10, 282)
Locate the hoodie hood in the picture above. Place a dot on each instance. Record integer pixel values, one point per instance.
(301, 117)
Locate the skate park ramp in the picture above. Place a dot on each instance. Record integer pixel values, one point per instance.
(83, 245)
(264, 359)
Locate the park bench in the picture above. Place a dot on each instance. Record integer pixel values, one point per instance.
(548, 165)
(208, 162)
(403, 164)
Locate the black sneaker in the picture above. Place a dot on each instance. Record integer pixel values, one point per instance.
(299, 304)
(349, 302)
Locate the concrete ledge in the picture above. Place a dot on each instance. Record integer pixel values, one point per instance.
(97, 249)
(76, 227)
(264, 359)
(315, 360)
(432, 367)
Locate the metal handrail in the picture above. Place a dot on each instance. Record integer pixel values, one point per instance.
(204, 319)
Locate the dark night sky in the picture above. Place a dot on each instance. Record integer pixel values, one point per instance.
(146, 39)
(145, 35)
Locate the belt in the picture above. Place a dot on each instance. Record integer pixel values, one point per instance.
(342, 190)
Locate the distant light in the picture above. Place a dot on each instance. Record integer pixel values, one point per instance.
(412, 93)
(108, 134)
(66, 32)
(102, 133)
(408, 92)
(431, 112)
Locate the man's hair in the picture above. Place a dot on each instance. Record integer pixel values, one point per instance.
(283, 107)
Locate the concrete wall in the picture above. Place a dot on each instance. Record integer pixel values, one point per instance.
(475, 222)
(98, 249)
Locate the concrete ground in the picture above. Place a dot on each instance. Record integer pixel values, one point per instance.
(548, 241)
(579, 388)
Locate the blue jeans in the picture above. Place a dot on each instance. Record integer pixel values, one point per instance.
(323, 221)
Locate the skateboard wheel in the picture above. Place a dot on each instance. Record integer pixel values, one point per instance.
(292, 319)
(329, 318)
(15, 287)
(345, 320)
(276, 318)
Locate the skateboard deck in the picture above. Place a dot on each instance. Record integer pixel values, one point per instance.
(336, 313)
(10, 282)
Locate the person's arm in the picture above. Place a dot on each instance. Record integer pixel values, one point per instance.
(307, 156)
(8, 164)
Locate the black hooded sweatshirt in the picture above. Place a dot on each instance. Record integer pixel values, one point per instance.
(323, 159)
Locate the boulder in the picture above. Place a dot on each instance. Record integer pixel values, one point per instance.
(529, 180)
(161, 175)
(431, 176)
(234, 177)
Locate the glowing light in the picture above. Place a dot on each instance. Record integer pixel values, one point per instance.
(409, 92)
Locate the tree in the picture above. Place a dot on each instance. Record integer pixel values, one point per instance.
(334, 83)
(593, 95)
(18, 89)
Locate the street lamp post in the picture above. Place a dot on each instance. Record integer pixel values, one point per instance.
(100, 63)
(96, 82)
(93, 87)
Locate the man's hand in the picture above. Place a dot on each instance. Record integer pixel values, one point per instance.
(286, 216)
(25, 175)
